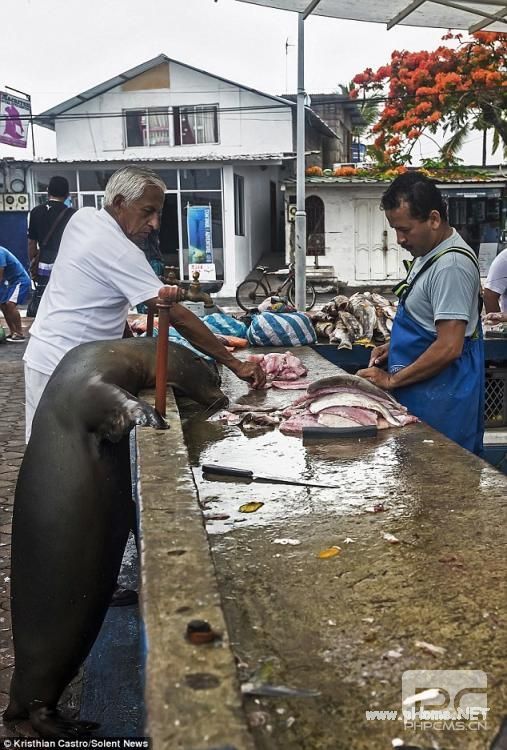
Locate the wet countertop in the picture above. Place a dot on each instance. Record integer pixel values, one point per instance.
(348, 626)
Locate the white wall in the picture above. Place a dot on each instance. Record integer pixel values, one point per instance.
(240, 132)
(243, 252)
(340, 202)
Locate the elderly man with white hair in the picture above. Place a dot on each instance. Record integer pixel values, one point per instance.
(99, 274)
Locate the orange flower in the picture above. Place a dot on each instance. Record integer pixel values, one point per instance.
(314, 171)
(344, 172)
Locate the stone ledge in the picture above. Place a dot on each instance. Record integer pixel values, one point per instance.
(192, 698)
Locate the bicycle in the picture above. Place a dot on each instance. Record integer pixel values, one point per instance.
(251, 292)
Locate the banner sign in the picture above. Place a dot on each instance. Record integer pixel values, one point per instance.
(200, 249)
(14, 119)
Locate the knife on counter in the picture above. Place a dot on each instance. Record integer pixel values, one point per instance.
(248, 475)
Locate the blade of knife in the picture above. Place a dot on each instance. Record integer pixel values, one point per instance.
(232, 471)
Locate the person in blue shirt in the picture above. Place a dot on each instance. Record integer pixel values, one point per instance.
(14, 290)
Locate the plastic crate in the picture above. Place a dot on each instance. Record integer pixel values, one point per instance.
(495, 403)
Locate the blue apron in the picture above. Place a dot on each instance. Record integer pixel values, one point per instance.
(453, 400)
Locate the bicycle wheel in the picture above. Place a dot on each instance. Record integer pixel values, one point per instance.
(250, 294)
(311, 295)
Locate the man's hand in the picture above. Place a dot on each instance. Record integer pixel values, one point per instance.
(201, 337)
(378, 355)
(34, 267)
(378, 377)
(251, 372)
(496, 317)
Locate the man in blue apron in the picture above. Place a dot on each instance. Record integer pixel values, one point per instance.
(435, 359)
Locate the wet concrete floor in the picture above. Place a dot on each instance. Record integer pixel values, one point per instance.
(348, 626)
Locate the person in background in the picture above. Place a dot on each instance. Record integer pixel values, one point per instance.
(151, 249)
(14, 290)
(45, 229)
(435, 359)
(495, 288)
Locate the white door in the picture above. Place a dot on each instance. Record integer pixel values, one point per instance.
(378, 256)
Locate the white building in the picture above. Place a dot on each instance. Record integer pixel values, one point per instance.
(213, 141)
(356, 245)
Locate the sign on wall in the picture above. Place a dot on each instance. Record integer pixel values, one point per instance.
(14, 118)
(207, 271)
(200, 248)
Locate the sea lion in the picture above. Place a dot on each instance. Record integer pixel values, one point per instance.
(72, 512)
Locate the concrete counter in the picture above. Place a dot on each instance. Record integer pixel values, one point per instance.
(347, 626)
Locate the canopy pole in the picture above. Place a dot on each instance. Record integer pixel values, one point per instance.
(300, 223)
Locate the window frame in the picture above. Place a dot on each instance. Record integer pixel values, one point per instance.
(194, 109)
(239, 205)
(147, 111)
(174, 128)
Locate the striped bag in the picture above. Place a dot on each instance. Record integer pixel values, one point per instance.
(226, 325)
(281, 329)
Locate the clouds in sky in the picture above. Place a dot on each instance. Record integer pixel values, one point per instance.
(58, 48)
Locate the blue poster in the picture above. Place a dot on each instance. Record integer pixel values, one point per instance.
(200, 248)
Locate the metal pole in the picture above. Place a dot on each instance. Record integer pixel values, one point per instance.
(31, 128)
(149, 322)
(300, 223)
(162, 349)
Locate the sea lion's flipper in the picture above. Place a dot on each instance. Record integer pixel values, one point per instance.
(123, 411)
(52, 724)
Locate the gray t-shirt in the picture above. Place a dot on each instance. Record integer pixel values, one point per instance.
(448, 290)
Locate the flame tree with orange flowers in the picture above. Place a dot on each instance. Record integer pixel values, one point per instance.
(459, 88)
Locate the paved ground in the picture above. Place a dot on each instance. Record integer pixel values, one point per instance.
(12, 446)
(124, 620)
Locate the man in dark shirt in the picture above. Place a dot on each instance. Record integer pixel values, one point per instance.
(45, 229)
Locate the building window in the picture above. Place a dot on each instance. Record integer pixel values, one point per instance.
(193, 125)
(179, 126)
(147, 127)
(239, 205)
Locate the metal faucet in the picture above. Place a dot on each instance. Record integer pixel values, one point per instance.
(193, 292)
(196, 294)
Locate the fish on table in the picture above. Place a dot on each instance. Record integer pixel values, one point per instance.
(365, 318)
(344, 400)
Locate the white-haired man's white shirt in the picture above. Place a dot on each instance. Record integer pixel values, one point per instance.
(98, 275)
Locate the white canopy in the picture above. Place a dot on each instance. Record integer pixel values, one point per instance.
(444, 14)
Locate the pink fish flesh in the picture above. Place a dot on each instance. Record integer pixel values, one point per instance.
(294, 425)
(359, 416)
(360, 400)
(290, 385)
